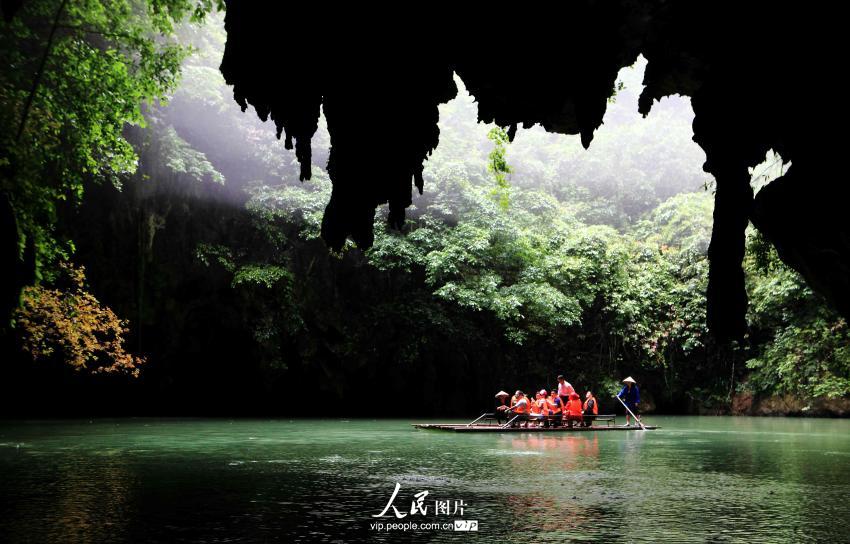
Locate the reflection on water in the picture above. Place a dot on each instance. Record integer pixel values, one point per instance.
(552, 507)
(695, 480)
(91, 503)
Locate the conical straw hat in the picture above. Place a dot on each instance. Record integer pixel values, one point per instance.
(629, 380)
(502, 394)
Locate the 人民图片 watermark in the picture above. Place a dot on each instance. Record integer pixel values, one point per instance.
(419, 507)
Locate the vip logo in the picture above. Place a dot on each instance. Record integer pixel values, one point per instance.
(466, 525)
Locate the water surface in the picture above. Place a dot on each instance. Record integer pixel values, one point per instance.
(213, 480)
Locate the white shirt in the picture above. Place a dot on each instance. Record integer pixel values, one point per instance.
(564, 389)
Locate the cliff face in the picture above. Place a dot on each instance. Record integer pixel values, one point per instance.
(745, 404)
(758, 77)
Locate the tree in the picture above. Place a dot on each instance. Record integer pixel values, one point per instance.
(801, 347)
(498, 165)
(68, 324)
(74, 74)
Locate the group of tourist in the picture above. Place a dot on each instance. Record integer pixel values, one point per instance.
(560, 406)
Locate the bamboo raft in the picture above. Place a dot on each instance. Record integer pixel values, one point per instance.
(486, 424)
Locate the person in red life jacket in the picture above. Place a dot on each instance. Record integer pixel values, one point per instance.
(590, 408)
(564, 390)
(544, 406)
(520, 406)
(554, 402)
(543, 402)
(572, 411)
(535, 413)
(501, 407)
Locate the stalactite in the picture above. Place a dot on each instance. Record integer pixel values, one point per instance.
(758, 74)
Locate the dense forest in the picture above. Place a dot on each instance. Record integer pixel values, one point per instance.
(170, 257)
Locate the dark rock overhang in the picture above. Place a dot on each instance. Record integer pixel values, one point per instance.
(760, 76)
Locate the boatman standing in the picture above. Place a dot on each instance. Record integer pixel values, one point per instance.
(564, 390)
(630, 395)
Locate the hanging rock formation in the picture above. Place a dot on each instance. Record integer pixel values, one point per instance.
(759, 76)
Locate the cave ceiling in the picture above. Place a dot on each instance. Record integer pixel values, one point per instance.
(760, 76)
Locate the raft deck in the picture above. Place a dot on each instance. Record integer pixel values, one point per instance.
(467, 428)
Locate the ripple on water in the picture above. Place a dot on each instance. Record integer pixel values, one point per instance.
(512, 452)
(415, 479)
(333, 459)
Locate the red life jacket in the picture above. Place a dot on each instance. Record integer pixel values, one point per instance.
(543, 407)
(523, 408)
(574, 407)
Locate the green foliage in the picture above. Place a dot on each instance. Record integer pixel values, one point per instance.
(259, 274)
(61, 124)
(805, 347)
(181, 158)
(681, 223)
(302, 204)
(207, 253)
(498, 165)
(535, 269)
(619, 86)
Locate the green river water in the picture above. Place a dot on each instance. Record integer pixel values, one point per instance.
(698, 479)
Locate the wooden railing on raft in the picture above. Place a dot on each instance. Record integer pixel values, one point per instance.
(607, 418)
